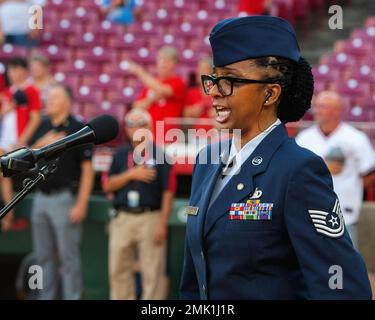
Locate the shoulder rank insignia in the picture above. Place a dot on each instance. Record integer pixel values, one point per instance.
(330, 224)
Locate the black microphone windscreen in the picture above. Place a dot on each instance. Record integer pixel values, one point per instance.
(105, 127)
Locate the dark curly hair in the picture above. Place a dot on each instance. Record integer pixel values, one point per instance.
(297, 83)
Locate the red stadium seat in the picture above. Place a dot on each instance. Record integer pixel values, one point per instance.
(369, 60)
(146, 29)
(117, 69)
(367, 103)
(85, 40)
(98, 54)
(358, 113)
(125, 41)
(325, 73)
(357, 47)
(9, 51)
(217, 6)
(88, 94)
(59, 5)
(340, 60)
(320, 86)
(368, 34)
(203, 18)
(89, 5)
(107, 28)
(364, 72)
(55, 53)
(81, 67)
(156, 43)
(48, 37)
(148, 6)
(183, 6)
(84, 15)
(143, 55)
(73, 81)
(104, 81)
(190, 57)
(126, 96)
(162, 16)
(65, 27)
(353, 88)
(186, 29)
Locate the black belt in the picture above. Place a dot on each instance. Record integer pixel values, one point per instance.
(137, 209)
(52, 191)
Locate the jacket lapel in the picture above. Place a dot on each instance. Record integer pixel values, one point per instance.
(213, 170)
(250, 168)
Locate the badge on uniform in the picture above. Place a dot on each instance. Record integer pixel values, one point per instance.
(192, 211)
(251, 210)
(330, 224)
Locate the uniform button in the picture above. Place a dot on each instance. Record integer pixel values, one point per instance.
(240, 186)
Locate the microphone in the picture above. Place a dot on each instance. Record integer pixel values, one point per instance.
(100, 130)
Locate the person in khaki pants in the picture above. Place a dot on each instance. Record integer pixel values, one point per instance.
(143, 194)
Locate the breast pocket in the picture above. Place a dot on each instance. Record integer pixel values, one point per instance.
(249, 226)
(245, 242)
(254, 216)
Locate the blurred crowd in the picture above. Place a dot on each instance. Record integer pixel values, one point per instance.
(36, 111)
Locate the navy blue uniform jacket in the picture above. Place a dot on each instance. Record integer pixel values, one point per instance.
(295, 255)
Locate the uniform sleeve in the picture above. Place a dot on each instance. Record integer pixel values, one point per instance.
(189, 289)
(331, 267)
(365, 156)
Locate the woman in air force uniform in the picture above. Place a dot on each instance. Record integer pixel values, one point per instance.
(263, 220)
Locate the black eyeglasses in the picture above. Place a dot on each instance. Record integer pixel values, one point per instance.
(225, 84)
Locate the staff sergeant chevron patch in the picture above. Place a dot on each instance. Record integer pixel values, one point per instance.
(330, 224)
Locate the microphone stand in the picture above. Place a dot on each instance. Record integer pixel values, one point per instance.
(28, 185)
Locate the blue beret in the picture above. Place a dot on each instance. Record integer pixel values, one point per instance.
(236, 39)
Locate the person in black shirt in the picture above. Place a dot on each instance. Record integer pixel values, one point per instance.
(143, 188)
(60, 203)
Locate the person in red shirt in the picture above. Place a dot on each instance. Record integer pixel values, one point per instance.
(21, 106)
(20, 117)
(199, 105)
(254, 7)
(163, 95)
